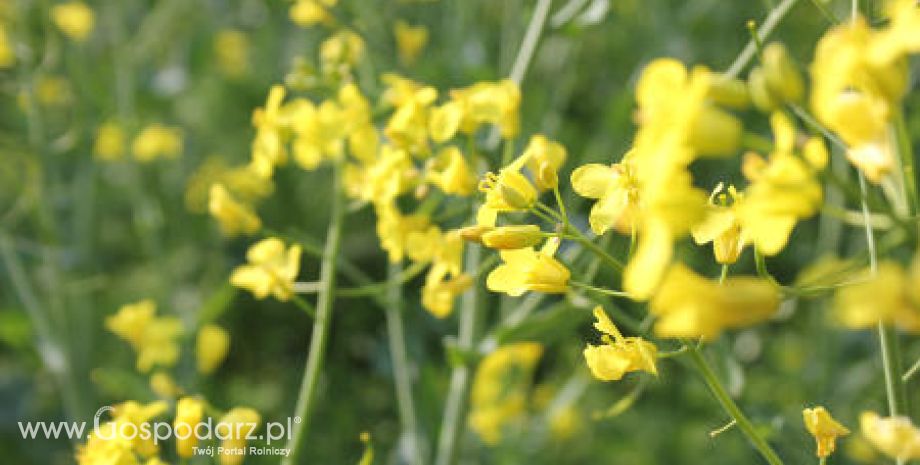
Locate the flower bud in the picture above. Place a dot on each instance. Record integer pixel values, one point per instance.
(513, 198)
(547, 176)
(781, 74)
(474, 233)
(513, 237)
(729, 92)
(727, 246)
(715, 132)
(760, 93)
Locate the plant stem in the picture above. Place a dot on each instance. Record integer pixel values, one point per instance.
(912, 371)
(598, 289)
(397, 340)
(589, 244)
(744, 424)
(771, 21)
(305, 400)
(891, 364)
(455, 405)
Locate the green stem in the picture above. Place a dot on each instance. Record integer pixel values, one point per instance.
(891, 365)
(397, 340)
(319, 338)
(729, 405)
(589, 244)
(598, 290)
(770, 23)
(906, 152)
(912, 371)
(303, 305)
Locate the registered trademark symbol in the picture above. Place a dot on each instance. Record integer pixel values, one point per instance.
(296, 419)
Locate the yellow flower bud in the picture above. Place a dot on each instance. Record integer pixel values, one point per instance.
(513, 237)
(189, 411)
(781, 74)
(760, 93)
(715, 132)
(211, 347)
(729, 92)
(474, 233)
(74, 19)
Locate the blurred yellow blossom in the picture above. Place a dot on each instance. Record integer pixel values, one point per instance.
(544, 158)
(342, 51)
(410, 41)
(189, 413)
(496, 103)
(499, 392)
(231, 51)
(238, 424)
(268, 149)
(136, 413)
(155, 339)
(157, 141)
(110, 141)
(272, 269)
(211, 347)
(824, 428)
(450, 172)
(513, 237)
(888, 296)
(75, 19)
(896, 437)
(7, 53)
(618, 355)
(690, 306)
(234, 217)
(306, 13)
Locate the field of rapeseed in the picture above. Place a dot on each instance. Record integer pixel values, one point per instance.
(459, 232)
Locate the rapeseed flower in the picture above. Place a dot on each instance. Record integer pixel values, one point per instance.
(826, 430)
(499, 392)
(157, 141)
(888, 296)
(236, 426)
(189, 413)
(271, 270)
(74, 19)
(896, 436)
(526, 269)
(410, 41)
(690, 306)
(233, 216)
(211, 347)
(618, 355)
(155, 339)
(110, 141)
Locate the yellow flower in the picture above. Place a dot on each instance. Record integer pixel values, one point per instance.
(7, 53)
(110, 141)
(74, 19)
(231, 50)
(824, 428)
(268, 148)
(106, 447)
(238, 424)
(211, 347)
(306, 13)
(341, 52)
(319, 131)
(153, 338)
(238, 180)
(496, 103)
(394, 229)
(271, 269)
(690, 306)
(367, 458)
(136, 414)
(857, 79)
(234, 217)
(498, 394)
(157, 141)
(674, 111)
(616, 192)
(529, 270)
(450, 172)
(544, 158)
(440, 291)
(444, 121)
(888, 297)
(670, 205)
(618, 355)
(410, 41)
(408, 126)
(509, 190)
(896, 437)
(783, 190)
(721, 226)
(189, 412)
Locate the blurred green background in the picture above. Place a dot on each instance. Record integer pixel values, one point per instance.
(82, 237)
